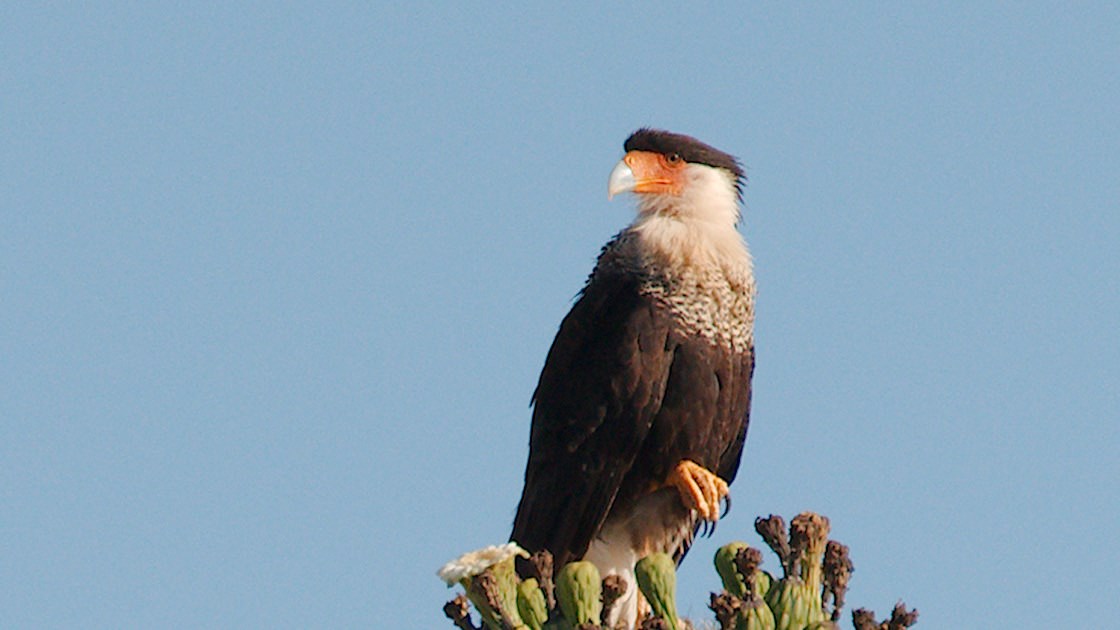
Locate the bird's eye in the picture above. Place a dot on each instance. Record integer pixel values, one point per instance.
(673, 158)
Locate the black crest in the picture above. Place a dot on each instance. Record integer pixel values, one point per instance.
(690, 149)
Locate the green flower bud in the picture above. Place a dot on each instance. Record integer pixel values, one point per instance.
(737, 564)
(789, 601)
(579, 592)
(494, 594)
(733, 581)
(756, 617)
(531, 604)
(762, 583)
(657, 578)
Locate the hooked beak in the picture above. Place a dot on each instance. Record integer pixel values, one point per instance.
(622, 179)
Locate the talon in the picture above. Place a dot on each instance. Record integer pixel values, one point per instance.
(700, 489)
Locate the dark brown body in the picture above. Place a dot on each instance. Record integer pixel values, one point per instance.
(629, 389)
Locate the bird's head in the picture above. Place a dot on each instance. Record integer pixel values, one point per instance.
(675, 174)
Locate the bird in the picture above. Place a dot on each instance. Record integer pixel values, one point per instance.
(641, 410)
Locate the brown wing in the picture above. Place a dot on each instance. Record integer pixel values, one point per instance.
(601, 387)
(703, 417)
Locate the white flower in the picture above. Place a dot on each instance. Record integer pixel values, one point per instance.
(475, 562)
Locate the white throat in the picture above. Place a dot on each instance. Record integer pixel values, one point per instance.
(696, 227)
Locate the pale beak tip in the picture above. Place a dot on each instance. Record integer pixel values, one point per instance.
(621, 180)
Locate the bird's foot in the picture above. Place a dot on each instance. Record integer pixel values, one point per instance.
(700, 488)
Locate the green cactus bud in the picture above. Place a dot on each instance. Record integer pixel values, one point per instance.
(657, 578)
(531, 604)
(733, 581)
(506, 575)
(737, 564)
(762, 583)
(756, 617)
(579, 592)
(789, 601)
(494, 594)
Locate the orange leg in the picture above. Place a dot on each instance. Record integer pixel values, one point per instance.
(700, 488)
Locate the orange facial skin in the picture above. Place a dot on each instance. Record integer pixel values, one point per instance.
(656, 173)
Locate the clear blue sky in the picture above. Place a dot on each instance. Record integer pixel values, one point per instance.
(277, 283)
